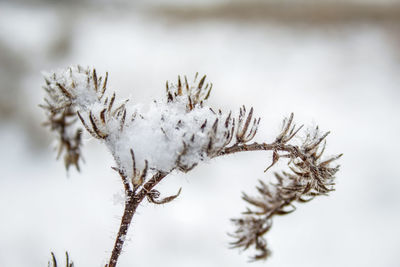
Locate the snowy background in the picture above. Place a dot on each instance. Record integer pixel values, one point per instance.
(335, 64)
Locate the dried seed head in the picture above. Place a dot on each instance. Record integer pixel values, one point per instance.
(309, 177)
(194, 94)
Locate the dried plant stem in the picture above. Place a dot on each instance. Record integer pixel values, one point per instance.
(276, 146)
(131, 204)
(134, 199)
(198, 133)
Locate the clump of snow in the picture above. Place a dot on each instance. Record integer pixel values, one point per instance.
(76, 82)
(164, 133)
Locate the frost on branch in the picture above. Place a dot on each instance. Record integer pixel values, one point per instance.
(176, 133)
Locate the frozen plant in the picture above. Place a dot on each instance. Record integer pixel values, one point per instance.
(177, 133)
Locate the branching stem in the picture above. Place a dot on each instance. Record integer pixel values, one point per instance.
(134, 199)
(210, 136)
(132, 202)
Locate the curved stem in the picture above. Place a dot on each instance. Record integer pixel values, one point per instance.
(276, 146)
(132, 202)
(134, 199)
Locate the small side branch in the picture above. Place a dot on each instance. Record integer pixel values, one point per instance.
(309, 176)
(154, 195)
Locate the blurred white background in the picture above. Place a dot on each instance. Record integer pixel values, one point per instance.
(333, 63)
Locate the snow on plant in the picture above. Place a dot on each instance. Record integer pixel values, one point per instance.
(177, 133)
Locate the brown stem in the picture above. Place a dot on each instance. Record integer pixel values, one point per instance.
(134, 199)
(276, 146)
(132, 202)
